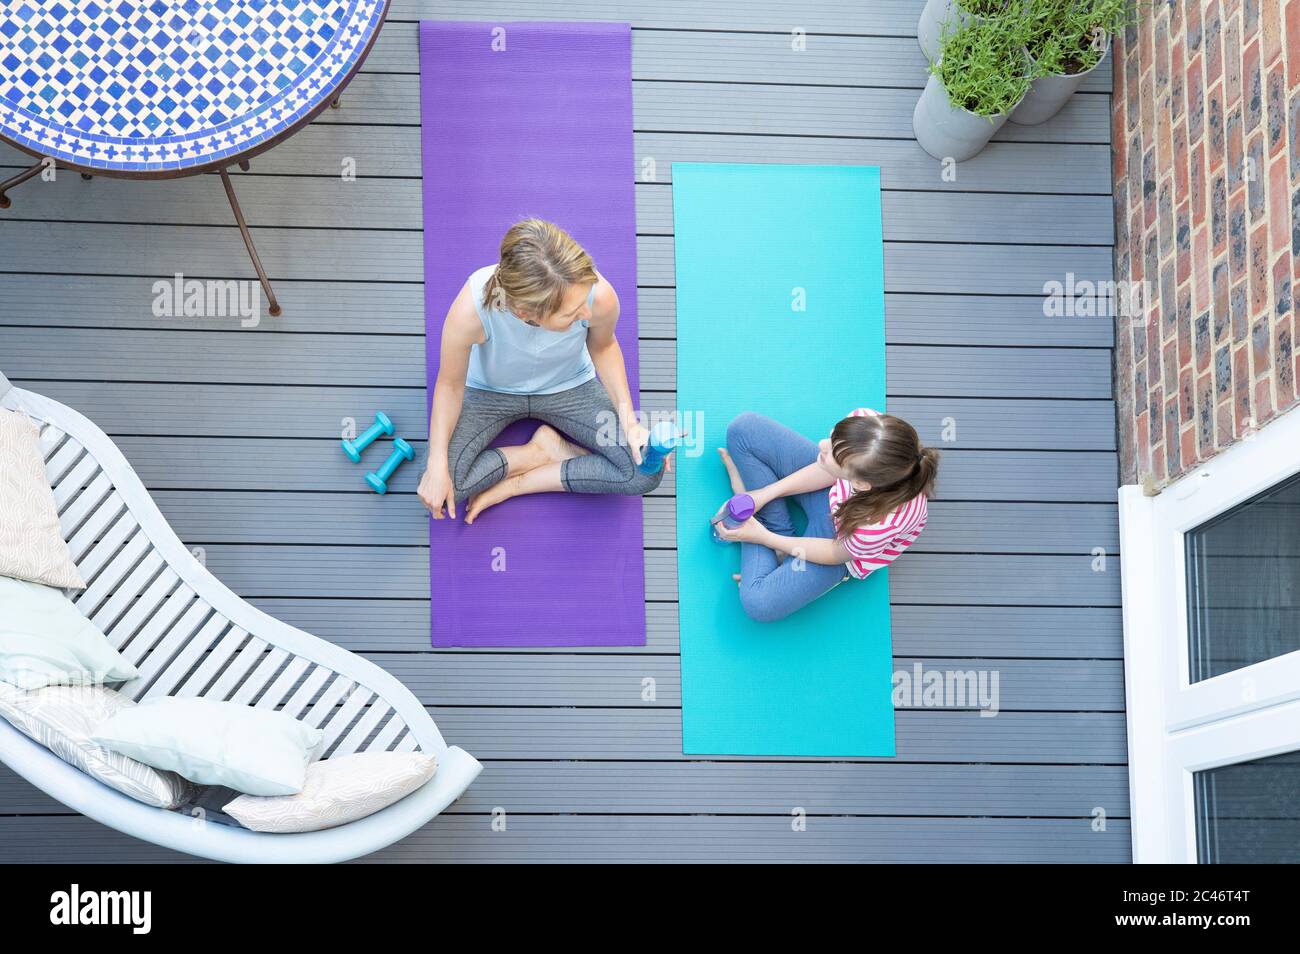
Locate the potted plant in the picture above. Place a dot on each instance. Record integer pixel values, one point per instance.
(1066, 40)
(979, 78)
(938, 13)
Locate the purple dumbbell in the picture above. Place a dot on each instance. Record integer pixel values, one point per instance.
(382, 425)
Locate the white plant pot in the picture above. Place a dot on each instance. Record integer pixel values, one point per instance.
(929, 28)
(1048, 94)
(946, 131)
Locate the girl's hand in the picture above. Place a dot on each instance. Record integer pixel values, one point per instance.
(436, 491)
(751, 531)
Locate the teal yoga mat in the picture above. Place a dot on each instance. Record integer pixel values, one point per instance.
(753, 244)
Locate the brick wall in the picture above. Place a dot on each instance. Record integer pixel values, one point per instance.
(1206, 142)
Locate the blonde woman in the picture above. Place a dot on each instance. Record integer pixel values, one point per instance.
(532, 337)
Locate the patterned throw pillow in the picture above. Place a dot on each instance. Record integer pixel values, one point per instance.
(62, 718)
(31, 543)
(337, 791)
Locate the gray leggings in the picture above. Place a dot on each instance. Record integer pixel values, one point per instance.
(585, 414)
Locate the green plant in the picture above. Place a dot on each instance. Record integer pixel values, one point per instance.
(982, 64)
(1070, 36)
(983, 8)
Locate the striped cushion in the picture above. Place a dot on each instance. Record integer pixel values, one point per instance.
(31, 543)
(337, 791)
(62, 718)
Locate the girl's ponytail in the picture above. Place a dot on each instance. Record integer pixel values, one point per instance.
(886, 452)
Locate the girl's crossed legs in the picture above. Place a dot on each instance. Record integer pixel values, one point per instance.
(764, 452)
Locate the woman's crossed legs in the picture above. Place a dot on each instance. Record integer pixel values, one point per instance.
(598, 463)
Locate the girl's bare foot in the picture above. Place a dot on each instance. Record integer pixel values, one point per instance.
(555, 445)
(737, 485)
(736, 577)
(497, 493)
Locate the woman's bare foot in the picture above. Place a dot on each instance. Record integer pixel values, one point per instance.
(555, 445)
(546, 479)
(546, 446)
(737, 485)
(497, 493)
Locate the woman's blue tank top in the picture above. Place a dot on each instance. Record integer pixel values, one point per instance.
(519, 358)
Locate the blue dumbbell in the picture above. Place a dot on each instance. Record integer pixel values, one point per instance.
(382, 425)
(378, 481)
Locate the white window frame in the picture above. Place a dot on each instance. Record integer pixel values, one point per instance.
(1255, 735)
(1176, 727)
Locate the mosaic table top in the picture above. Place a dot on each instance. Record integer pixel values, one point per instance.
(161, 87)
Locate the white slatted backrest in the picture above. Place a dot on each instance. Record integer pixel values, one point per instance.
(180, 644)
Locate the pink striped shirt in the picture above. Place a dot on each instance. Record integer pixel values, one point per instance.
(878, 544)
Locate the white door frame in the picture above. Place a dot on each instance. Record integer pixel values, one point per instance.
(1176, 727)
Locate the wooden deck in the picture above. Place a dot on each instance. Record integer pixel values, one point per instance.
(233, 430)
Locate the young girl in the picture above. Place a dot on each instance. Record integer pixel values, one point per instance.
(532, 337)
(863, 490)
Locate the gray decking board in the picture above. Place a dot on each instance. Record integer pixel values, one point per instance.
(923, 735)
(378, 308)
(651, 839)
(257, 463)
(956, 527)
(235, 410)
(750, 788)
(1002, 632)
(773, 110)
(238, 447)
(879, 18)
(648, 734)
(565, 679)
(930, 578)
(373, 255)
(394, 151)
(769, 838)
(307, 359)
(721, 56)
(776, 110)
(384, 308)
(735, 788)
(311, 202)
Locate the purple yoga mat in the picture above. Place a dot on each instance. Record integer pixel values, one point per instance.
(531, 119)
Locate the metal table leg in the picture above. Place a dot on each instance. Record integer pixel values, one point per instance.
(248, 243)
(30, 173)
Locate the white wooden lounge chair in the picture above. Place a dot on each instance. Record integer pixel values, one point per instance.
(191, 636)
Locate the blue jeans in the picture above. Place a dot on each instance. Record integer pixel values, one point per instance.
(771, 588)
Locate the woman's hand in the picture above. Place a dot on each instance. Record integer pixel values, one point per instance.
(637, 438)
(751, 531)
(437, 491)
